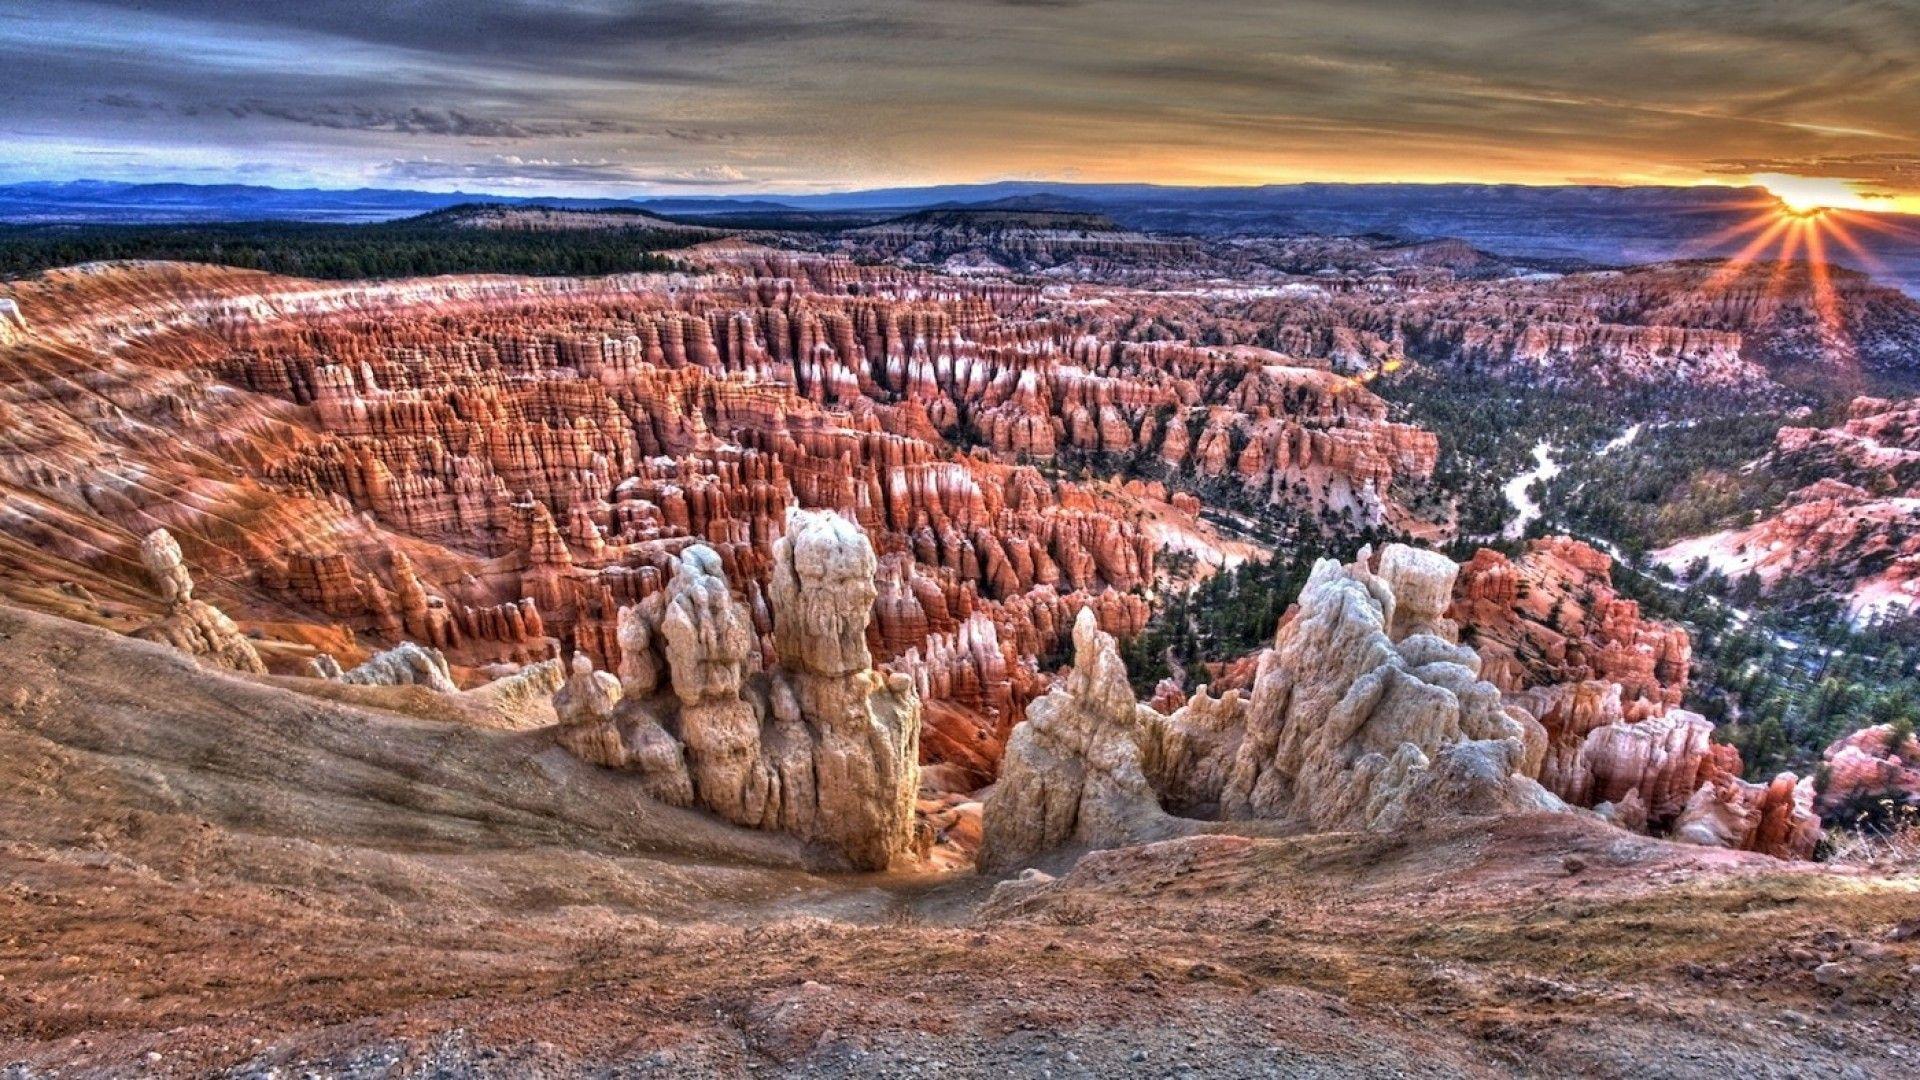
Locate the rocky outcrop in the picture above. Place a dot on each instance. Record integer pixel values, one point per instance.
(1346, 728)
(1075, 772)
(818, 744)
(1552, 618)
(1345, 722)
(406, 664)
(594, 728)
(864, 727)
(1605, 685)
(1367, 713)
(1866, 766)
(1775, 818)
(520, 698)
(193, 626)
(588, 696)
(497, 467)
(13, 325)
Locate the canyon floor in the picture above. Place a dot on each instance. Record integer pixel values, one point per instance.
(214, 874)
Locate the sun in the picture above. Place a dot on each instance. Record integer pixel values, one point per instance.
(1810, 195)
(1797, 232)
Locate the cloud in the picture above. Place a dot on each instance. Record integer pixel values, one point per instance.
(1887, 172)
(414, 120)
(514, 169)
(902, 91)
(558, 36)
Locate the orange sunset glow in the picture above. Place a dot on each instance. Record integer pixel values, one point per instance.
(1811, 222)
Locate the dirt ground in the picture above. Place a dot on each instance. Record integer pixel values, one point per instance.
(207, 875)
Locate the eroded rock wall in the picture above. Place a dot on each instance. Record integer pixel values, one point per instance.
(494, 468)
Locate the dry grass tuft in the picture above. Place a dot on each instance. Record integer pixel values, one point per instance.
(1883, 835)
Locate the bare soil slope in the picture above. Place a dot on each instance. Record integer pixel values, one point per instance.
(203, 874)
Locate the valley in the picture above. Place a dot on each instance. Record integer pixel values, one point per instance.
(1027, 539)
(981, 639)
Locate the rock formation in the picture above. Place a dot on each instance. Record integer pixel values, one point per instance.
(588, 696)
(819, 744)
(1775, 818)
(520, 698)
(1346, 728)
(406, 664)
(594, 729)
(966, 240)
(1075, 771)
(1367, 713)
(1345, 721)
(1553, 619)
(865, 727)
(1605, 684)
(193, 626)
(1866, 766)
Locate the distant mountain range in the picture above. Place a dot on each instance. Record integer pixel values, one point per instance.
(1587, 224)
(94, 202)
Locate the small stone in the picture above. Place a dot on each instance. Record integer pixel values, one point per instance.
(1869, 950)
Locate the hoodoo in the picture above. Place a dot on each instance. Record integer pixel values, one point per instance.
(819, 744)
(1366, 713)
(677, 613)
(192, 626)
(1345, 727)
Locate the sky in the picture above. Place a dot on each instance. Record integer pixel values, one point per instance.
(618, 97)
